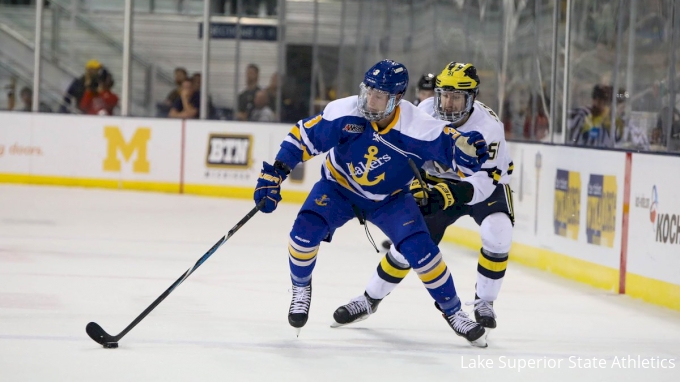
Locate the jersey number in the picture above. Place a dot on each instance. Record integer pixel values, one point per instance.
(493, 150)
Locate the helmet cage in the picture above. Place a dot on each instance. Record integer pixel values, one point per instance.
(362, 103)
(453, 116)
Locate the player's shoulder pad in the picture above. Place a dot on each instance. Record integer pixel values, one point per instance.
(417, 124)
(343, 107)
(485, 120)
(427, 105)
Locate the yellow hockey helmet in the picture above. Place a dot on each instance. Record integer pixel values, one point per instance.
(458, 78)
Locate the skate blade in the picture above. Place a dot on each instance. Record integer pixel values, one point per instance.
(297, 332)
(481, 341)
(336, 324)
(487, 331)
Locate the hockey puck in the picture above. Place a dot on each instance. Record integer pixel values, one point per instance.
(386, 244)
(110, 345)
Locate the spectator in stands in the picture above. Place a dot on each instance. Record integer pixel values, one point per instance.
(26, 96)
(196, 83)
(94, 70)
(247, 97)
(659, 133)
(261, 111)
(189, 102)
(272, 89)
(591, 125)
(180, 75)
(100, 100)
(163, 108)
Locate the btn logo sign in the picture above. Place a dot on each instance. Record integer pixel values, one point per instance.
(226, 150)
(601, 212)
(567, 207)
(137, 144)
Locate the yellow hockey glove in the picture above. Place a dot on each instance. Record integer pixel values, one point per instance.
(439, 196)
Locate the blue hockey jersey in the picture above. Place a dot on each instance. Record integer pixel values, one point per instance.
(369, 164)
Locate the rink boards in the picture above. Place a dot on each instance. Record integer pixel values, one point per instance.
(586, 228)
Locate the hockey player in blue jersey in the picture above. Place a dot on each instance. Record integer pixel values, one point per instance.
(369, 139)
(455, 101)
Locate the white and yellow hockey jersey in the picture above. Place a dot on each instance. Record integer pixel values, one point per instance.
(486, 122)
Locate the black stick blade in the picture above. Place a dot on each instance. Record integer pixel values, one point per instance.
(100, 336)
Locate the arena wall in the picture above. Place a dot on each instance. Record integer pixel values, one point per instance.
(608, 219)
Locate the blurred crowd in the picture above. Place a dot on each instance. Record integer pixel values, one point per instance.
(92, 94)
(254, 104)
(587, 125)
(590, 123)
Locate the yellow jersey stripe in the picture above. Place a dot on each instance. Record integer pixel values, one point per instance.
(508, 195)
(305, 154)
(296, 133)
(338, 177)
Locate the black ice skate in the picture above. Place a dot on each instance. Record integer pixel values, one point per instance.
(357, 310)
(299, 306)
(461, 323)
(484, 313)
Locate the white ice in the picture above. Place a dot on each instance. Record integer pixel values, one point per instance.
(69, 256)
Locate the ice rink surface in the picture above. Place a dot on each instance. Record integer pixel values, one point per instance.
(69, 256)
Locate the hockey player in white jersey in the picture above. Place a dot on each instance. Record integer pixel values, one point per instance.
(456, 88)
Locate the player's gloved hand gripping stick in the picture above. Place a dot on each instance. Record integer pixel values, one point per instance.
(267, 196)
(268, 188)
(471, 151)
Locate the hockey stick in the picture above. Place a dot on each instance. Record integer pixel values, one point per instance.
(416, 172)
(111, 342)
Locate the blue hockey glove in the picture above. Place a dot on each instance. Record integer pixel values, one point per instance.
(470, 150)
(269, 185)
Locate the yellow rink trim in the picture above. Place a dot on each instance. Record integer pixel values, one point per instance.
(173, 187)
(90, 182)
(241, 192)
(653, 291)
(648, 289)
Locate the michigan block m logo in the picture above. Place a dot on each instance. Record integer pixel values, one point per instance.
(116, 142)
